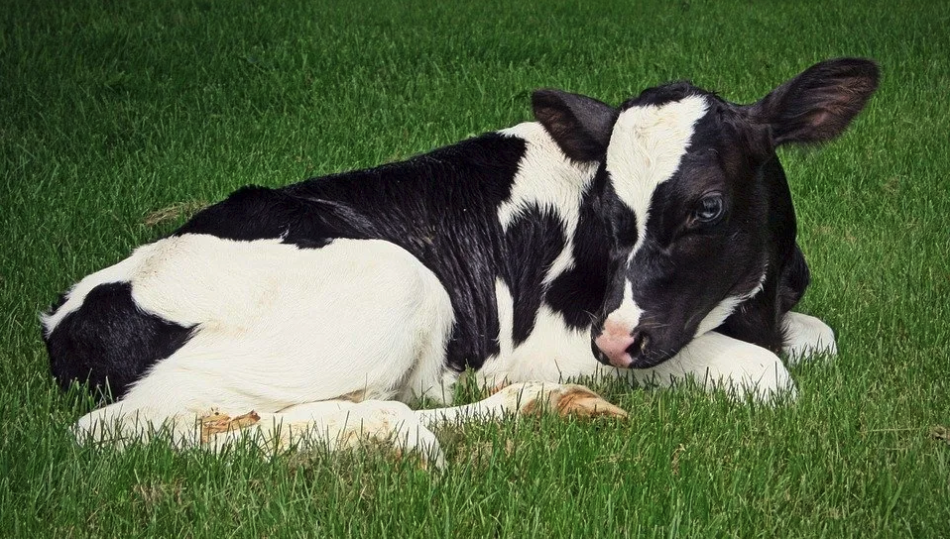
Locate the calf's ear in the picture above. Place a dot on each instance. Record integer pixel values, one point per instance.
(579, 124)
(817, 105)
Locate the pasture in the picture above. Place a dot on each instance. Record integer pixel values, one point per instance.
(117, 120)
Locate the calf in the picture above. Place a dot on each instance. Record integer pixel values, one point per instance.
(658, 238)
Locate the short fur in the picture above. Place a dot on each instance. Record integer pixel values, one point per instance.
(507, 254)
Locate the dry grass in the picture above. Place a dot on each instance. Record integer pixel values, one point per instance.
(176, 211)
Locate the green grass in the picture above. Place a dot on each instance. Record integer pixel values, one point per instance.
(112, 110)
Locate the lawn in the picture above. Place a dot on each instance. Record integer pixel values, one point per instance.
(111, 111)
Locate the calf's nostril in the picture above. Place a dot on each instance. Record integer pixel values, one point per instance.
(640, 341)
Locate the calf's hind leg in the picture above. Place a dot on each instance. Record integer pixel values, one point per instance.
(373, 320)
(120, 424)
(336, 425)
(327, 425)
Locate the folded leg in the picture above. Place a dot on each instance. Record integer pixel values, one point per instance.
(119, 424)
(525, 398)
(716, 361)
(335, 426)
(806, 336)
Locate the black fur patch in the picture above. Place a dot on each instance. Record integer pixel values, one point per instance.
(663, 94)
(441, 207)
(794, 282)
(110, 340)
(532, 243)
(578, 294)
(759, 320)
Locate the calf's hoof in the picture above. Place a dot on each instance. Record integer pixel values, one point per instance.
(563, 399)
(217, 423)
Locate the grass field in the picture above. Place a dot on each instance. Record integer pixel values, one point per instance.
(110, 111)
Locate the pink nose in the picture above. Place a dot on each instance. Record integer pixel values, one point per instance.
(614, 342)
(615, 349)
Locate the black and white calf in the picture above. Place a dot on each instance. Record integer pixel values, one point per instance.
(658, 236)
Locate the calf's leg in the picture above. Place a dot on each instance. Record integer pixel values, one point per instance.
(716, 361)
(352, 318)
(806, 336)
(525, 398)
(334, 426)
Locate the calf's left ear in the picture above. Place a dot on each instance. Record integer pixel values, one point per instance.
(579, 124)
(817, 105)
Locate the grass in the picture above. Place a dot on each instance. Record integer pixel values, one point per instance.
(113, 111)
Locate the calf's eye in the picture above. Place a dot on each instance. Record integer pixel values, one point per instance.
(709, 209)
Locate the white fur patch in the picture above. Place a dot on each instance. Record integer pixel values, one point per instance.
(553, 352)
(628, 314)
(547, 179)
(715, 361)
(645, 150)
(278, 326)
(725, 308)
(807, 336)
(506, 318)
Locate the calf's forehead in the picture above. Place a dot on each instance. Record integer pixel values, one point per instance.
(646, 147)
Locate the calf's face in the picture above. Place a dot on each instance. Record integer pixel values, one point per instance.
(694, 198)
(688, 221)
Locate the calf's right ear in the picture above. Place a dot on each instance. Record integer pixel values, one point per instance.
(579, 124)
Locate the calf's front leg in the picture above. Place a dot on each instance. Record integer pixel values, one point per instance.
(807, 336)
(715, 361)
(525, 398)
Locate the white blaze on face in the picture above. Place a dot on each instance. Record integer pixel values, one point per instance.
(627, 316)
(645, 150)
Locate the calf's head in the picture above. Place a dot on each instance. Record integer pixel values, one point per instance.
(695, 200)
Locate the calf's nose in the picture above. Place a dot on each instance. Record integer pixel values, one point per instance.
(621, 346)
(615, 348)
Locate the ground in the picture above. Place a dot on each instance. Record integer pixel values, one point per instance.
(113, 111)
